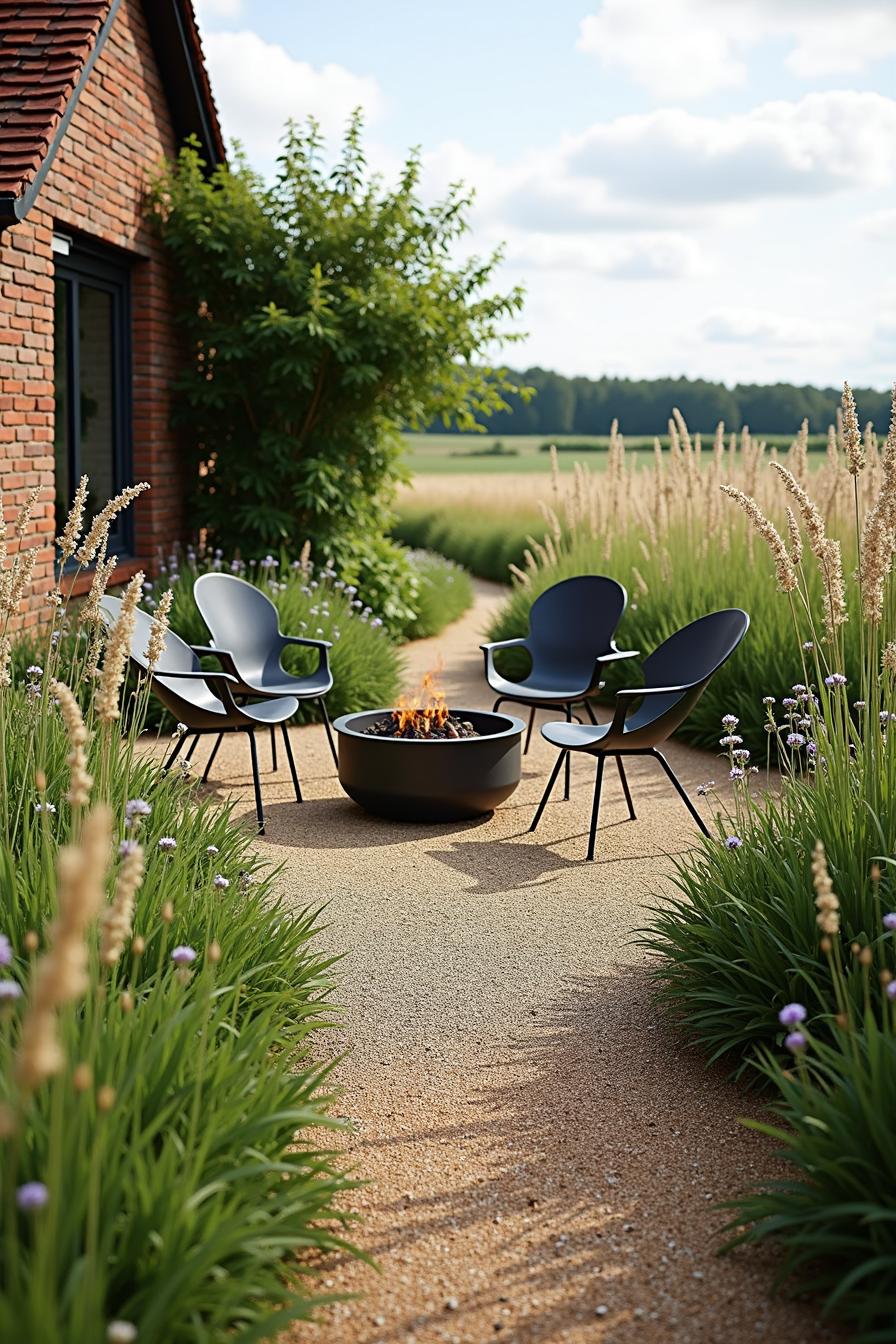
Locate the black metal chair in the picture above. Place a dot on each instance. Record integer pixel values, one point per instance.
(245, 630)
(203, 701)
(570, 639)
(676, 675)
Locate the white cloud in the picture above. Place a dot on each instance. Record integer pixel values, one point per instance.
(661, 257)
(259, 86)
(751, 326)
(824, 143)
(209, 10)
(685, 49)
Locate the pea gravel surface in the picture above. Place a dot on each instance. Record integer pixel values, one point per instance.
(545, 1155)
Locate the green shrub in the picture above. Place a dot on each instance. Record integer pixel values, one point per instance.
(444, 593)
(483, 541)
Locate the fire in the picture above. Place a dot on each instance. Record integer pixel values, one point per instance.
(424, 710)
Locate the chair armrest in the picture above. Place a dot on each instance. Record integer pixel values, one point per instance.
(224, 656)
(309, 643)
(630, 693)
(217, 682)
(616, 654)
(505, 644)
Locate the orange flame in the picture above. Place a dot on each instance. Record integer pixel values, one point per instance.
(425, 709)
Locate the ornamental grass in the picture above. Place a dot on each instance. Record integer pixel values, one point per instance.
(165, 1161)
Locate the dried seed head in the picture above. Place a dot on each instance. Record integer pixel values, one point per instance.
(783, 565)
(156, 646)
(99, 528)
(68, 541)
(118, 648)
(826, 902)
(105, 1098)
(82, 1078)
(852, 435)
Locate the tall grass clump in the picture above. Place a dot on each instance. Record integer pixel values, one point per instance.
(164, 1166)
(777, 953)
(444, 593)
(669, 535)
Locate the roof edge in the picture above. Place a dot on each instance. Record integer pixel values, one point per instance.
(15, 206)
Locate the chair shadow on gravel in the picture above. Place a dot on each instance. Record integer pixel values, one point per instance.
(600, 1148)
(338, 823)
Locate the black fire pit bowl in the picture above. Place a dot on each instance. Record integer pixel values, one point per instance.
(412, 779)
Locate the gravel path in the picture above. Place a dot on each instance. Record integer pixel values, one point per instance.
(544, 1155)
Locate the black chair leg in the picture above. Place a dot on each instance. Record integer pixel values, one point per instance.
(680, 791)
(175, 752)
(497, 705)
(590, 711)
(273, 749)
(595, 804)
(547, 793)
(292, 764)
(259, 810)
(625, 789)
(326, 719)
(568, 759)
(529, 730)
(193, 745)
(211, 760)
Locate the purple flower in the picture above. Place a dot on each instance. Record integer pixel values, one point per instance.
(808, 646)
(811, 748)
(735, 772)
(32, 1195)
(703, 789)
(730, 740)
(136, 807)
(889, 923)
(729, 721)
(891, 990)
(795, 1042)
(167, 843)
(741, 754)
(788, 702)
(9, 991)
(5, 950)
(792, 1014)
(835, 679)
(49, 808)
(222, 883)
(798, 687)
(128, 847)
(859, 704)
(182, 956)
(180, 729)
(795, 740)
(211, 849)
(768, 699)
(733, 842)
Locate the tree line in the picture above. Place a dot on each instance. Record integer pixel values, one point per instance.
(588, 405)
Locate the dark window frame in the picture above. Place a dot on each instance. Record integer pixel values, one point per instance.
(101, 268)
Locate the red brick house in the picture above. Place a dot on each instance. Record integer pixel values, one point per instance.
(93, 94)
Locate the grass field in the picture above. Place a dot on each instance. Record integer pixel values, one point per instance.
(469, 454)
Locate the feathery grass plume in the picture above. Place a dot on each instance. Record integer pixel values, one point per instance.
(305, 558)
(852, 437)
(5, 660)
(60, 976)
(99, 528)
(25, 512)
(888, 658)
(826, 902)
(833, 452)
(784, 569)
(796, 538)
(90, 613)
(156, 646)
(826, 552)
(798, 457)
(80, 782)
(118, 648)
(640, 584)
(118, 917)
(3, 532)
(519, 574)
(18, 581)
(879, 532)
(68, 540)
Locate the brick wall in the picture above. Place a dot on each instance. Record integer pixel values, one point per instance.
(119, 132)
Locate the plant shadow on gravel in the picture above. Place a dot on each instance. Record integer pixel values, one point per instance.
(591, 1161)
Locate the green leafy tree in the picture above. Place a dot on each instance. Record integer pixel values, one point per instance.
(325, 312)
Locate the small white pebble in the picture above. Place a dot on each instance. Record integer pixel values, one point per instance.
(452, 1304)
(601, 1310)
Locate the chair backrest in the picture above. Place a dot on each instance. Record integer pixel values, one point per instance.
(242, 620)
(573, 623)
(176, 656)
(689, 658)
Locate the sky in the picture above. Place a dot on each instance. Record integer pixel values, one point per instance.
(697, 187)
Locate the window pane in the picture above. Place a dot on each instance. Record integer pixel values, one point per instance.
(61, 443)
(97, 404)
